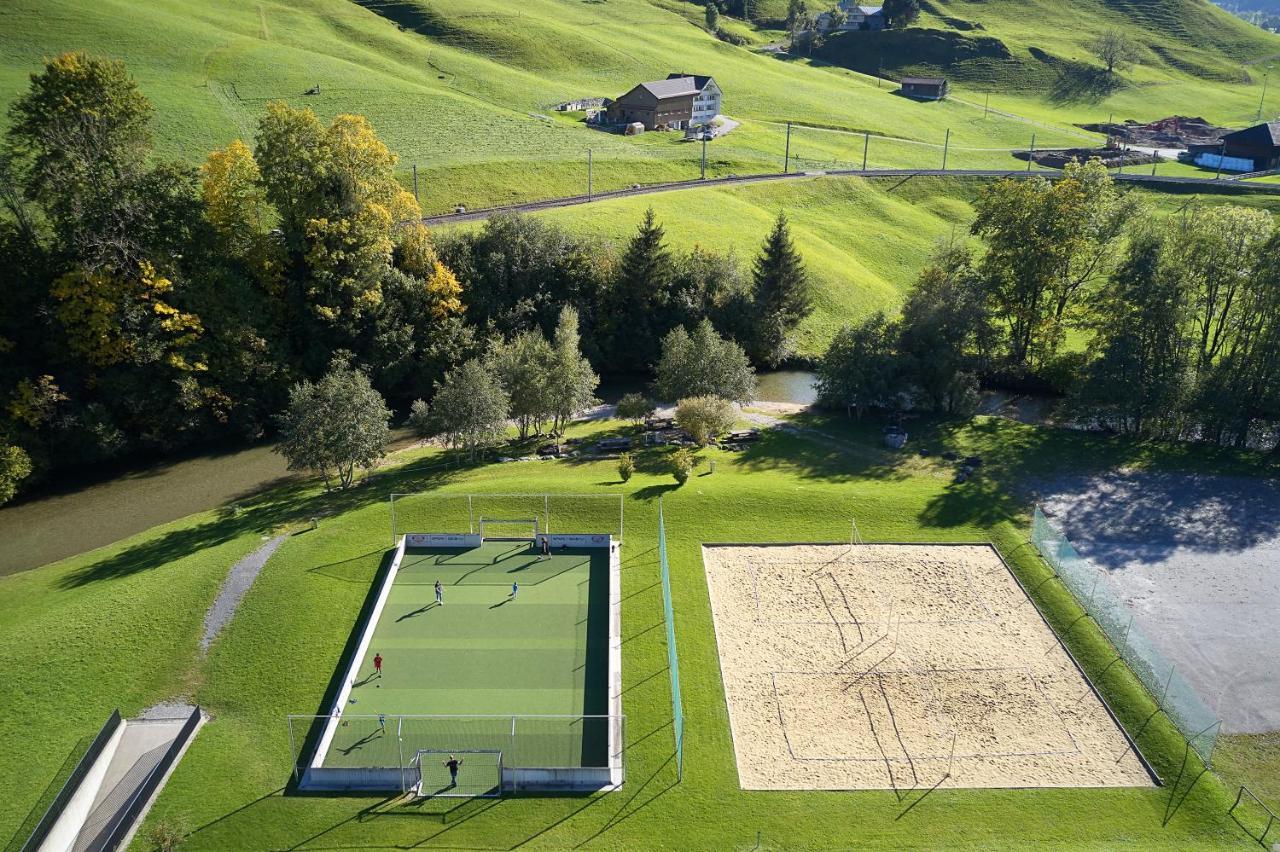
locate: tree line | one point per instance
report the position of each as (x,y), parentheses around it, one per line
(151,305)
(1154,326)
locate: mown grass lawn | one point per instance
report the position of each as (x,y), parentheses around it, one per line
(118,627)
(465,90)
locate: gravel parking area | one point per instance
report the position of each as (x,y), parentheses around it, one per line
(1198,560)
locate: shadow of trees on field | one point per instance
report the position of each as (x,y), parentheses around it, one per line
(267,511)
(1116,516)
(1080,83)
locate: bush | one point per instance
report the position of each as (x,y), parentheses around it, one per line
(730,38)
(167,834)
(635,407)
(420,419)
(705,417)
(626,467)
(682,464)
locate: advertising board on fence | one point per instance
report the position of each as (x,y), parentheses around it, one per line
(442,540)
(576,540)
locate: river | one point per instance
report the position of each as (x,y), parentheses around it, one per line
(81,517)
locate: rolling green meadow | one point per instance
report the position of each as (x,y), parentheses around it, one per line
(119,627)
(464,90)
(864,240)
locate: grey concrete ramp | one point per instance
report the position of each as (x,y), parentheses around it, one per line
(141,748)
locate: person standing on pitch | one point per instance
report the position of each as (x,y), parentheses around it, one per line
(546,547)
(377,664)
(439,593)
(382,722)
(515,587)
(453,763)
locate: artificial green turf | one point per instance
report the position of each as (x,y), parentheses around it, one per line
(485,652)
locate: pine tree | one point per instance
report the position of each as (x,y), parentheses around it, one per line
(781,295)
(640,297)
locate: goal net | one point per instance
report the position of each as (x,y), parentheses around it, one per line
(504,528)
(478,773)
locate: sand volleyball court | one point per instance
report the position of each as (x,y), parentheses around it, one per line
(876,666)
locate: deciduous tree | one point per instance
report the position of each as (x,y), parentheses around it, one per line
(334,425)
(470,407)
(703,364)
(705,417)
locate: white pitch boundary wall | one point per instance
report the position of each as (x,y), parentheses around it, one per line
(319,777)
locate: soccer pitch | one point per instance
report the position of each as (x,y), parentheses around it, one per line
(493,671)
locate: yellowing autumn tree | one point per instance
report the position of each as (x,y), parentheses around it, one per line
(233,197)
(444,290)
(113,319)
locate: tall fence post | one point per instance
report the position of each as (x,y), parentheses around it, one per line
(946,144)
(590,168)
(1031,154)
(393,520)
(471,517)
(786,157)
(866,144)
(704,153)
(415,181)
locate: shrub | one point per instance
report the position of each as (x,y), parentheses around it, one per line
(420,419)
(705,417)
(626,467)
(634,407)
(682,465)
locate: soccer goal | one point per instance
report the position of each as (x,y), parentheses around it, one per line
(479,773)
(509,528)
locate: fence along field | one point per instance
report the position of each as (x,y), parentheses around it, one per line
(513,659)
(904,667)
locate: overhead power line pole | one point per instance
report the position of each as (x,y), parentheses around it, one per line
(786,157)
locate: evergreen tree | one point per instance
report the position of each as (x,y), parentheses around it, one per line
(641,294)
(781,295)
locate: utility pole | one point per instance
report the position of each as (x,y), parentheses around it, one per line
(589,175)
(866,143)
(1031,155)
(879,73)
(704,154)
(986,106)
(786,158)
(946,143)
(1222,152)
(415,181)
(1262,100)
(1120,171)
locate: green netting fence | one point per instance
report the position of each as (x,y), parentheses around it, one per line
(388,741)
(1099,599)
(673,660)
(570,514)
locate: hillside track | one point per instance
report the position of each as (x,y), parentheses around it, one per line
(904,174)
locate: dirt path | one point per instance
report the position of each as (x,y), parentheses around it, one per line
(233,590)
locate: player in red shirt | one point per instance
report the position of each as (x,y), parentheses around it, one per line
(377,664)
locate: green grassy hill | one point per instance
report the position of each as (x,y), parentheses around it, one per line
(464,89)
(864,241)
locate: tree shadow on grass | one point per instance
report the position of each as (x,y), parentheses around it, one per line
(263,513)
(1080,83)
